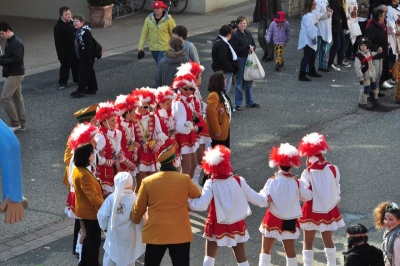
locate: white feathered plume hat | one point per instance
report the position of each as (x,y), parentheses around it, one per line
(313,144)
(284,155)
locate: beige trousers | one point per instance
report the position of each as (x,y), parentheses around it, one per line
(12,101)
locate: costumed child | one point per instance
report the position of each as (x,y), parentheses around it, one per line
(123,244)
(396,76)
(284,191)
(227,195)
(125,106)
(82,134)
(359,252)
(108,146)
(203,136)
(183,110)
(321,213)
(148,134)
(365,71)
(165,97)
(387,216)
(279,33)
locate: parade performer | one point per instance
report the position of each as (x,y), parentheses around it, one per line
(126,105)
(83,133)
(203,136)
(148,134)
(164,196)
(10,162)
(123,244)
(108,147)
(321,213)
(183,110)
(396,76)
(227,195)
(285,192)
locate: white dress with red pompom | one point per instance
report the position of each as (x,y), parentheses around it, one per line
(286,191)
(228,200)
(321,213)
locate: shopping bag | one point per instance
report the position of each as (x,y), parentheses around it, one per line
(253,69)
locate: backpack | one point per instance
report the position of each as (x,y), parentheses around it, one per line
(98,50)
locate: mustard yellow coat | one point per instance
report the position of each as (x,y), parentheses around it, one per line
(217,122)
(88,193)
(165,194)
(67,160)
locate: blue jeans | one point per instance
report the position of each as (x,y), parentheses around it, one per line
(240,83)
(157,55)
(339,47)
(228,85)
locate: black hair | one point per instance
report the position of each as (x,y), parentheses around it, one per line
(356,233)
(82,154)
(233,24)
(285,168)
(216,82)
(4,26)
(225,30)
(63,9)
(181,31)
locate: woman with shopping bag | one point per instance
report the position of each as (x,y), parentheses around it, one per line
(243,43)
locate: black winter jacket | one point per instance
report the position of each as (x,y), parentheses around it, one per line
(84,39)
(240,42)
(273,6)
(363,255)
(339,20)
(64,38)
(13,58)
(377,36)
(222,57)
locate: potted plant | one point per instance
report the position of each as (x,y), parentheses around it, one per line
(100,13)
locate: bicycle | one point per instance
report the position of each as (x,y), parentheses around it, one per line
(176,6)
(124,8)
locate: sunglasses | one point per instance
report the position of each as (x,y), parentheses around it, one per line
(145,107)
(188,89)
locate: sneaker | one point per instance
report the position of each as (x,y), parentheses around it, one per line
(333,67)
(77,94)
(15,128)
(62,86)
(344,64)
(392,82)
(23,128)
(386,85)
(238,108)
(254,105)
(323,69)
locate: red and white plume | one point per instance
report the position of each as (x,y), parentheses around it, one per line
(190,67)
(284,155)
(145,95)
(105,110)
(82,134)
(313,144)
(217,162)
(165,93)
(186,79)
(125,103)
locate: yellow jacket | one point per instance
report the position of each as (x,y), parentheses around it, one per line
(217,122)
(67,160)
(158,34)
(88,193)
(165,194)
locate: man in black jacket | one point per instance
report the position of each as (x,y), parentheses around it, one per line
(64,37)
(14,71)
(224,57)
(264,14)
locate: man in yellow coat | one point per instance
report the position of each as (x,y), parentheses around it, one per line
(164,195)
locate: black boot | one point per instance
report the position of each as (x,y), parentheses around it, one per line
(373,97)
(303,76)
(314,73)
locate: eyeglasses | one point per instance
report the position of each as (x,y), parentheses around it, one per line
(188,89)
(144,107)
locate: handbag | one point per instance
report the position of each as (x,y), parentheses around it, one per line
(253,69)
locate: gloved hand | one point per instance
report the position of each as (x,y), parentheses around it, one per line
(188,124)
(140,54)
(314,41)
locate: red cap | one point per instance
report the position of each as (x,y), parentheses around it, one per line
(159,4)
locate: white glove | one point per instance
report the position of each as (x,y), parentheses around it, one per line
(189,125)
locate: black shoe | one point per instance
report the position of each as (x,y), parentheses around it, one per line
(324,70)
(238,108)
(77,94)
(314,74)
(254,105)
(62,86)
(264,56)
(277,68)
(380,95)
(268,59)
(90,92)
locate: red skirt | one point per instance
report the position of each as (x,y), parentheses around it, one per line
(212,228)
(188,140)
(70,205)
(271,222)
(314,221)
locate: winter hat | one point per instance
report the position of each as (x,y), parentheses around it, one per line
(279,17)
(217,162)
(363,40)
(185,79)
(85,113)
(105,110)
(82,134)
(125,103)
(147,95)
(159,4)
(313,144)
(190,67)
(284,155)
(165,93)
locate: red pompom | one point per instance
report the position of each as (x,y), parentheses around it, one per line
(284,155)
(313,144)
(146,95)
(105,110)
(82,134)
(217,162)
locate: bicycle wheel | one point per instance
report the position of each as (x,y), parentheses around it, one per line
(137,5)
(177,6)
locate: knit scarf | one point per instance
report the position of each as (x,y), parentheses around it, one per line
(388,242)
